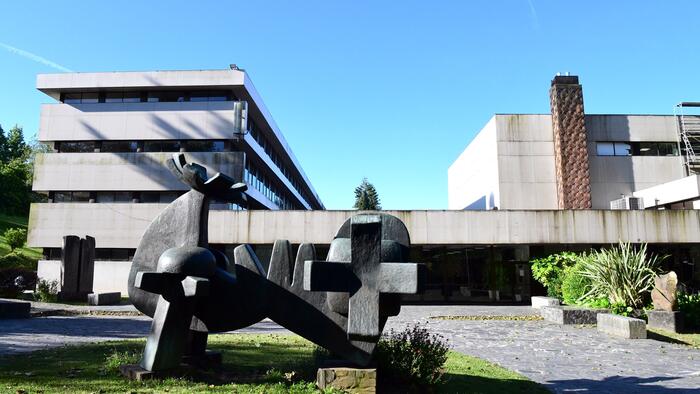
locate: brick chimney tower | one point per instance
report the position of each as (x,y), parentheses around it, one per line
(570,144)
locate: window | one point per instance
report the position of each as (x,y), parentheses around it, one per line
(76,147)
(132,97)
(114,97)
(119,146)
(90,98)
(637,148)
(113,197)
(71,98)
(668,149)
(166,96)
(161,146)
(204,146)
(150,197)
(623,149)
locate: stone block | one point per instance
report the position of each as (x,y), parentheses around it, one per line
(70,266)
(622,326)
(14,310)
(351,380)
(570,315)
(666,320)
(664,293)
(87,265)
(104,298)
(539,302)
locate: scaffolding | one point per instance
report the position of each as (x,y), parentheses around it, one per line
(688,126)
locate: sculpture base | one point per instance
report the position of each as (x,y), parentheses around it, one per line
(209,360)
(351,380)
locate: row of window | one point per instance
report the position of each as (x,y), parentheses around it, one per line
(163,96)
(265,144)
(164,197)
(637,148)
(254,177)
(101,254)
(140,146)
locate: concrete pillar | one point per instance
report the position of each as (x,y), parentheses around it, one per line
(570,143)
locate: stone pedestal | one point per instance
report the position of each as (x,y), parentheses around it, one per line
(14,310)
(570,315)
(622,326)
(539,302)
(351,380)
(104,298)
(666,320)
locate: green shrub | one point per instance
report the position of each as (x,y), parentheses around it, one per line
(17,259)
(575,285)
(600,303)
(550,271)
(15,237)
(689,304)
(413,356)
(623,274)
(46,291)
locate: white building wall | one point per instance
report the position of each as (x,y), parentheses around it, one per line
(613,176)
(124,171)
(136,121)
(472,180)
(526,162)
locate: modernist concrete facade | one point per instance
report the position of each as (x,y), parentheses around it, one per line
(105,178)
(511,163)
(110,135)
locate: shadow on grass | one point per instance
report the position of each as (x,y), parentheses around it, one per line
(659,336)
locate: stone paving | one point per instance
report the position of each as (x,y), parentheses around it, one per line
(565,359)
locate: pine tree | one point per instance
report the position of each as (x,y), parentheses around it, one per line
(366,197)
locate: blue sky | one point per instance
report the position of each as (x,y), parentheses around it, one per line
(393,91)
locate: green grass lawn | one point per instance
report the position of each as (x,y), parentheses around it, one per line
(688,339)
(6,222)
(256,363)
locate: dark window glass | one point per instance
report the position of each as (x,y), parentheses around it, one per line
(81,196)
(668,149)
(204,146)
(647,149)
(114,97)
(122,196)
(132,97)
(80,146)
(150,197)
(119,146)
(71,98)
(101,197)
(61,197)
(120,254)
(55,253)
(161,146)
(168,197)
(90,98)
(199,96)
(166,96)
(103,254)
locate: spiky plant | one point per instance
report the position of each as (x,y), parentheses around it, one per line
(366,197)
(624,274)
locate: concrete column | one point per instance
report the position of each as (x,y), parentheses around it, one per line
(570,143)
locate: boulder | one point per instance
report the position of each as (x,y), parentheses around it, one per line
(664,293)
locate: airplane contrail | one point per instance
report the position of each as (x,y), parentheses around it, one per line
(34,57)
(533,12)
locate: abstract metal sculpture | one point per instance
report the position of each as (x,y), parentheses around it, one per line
(190,290)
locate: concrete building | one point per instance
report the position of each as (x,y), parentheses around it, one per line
(472,256)
(572,160)
(110,134)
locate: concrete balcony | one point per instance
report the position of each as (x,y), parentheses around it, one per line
(136,121)
(124,171)
(122,225)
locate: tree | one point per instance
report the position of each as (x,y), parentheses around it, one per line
(366,197)
(15,237)
(13,146)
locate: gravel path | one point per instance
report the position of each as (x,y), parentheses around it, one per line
(565,359)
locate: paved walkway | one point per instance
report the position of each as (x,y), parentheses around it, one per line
(565,359)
